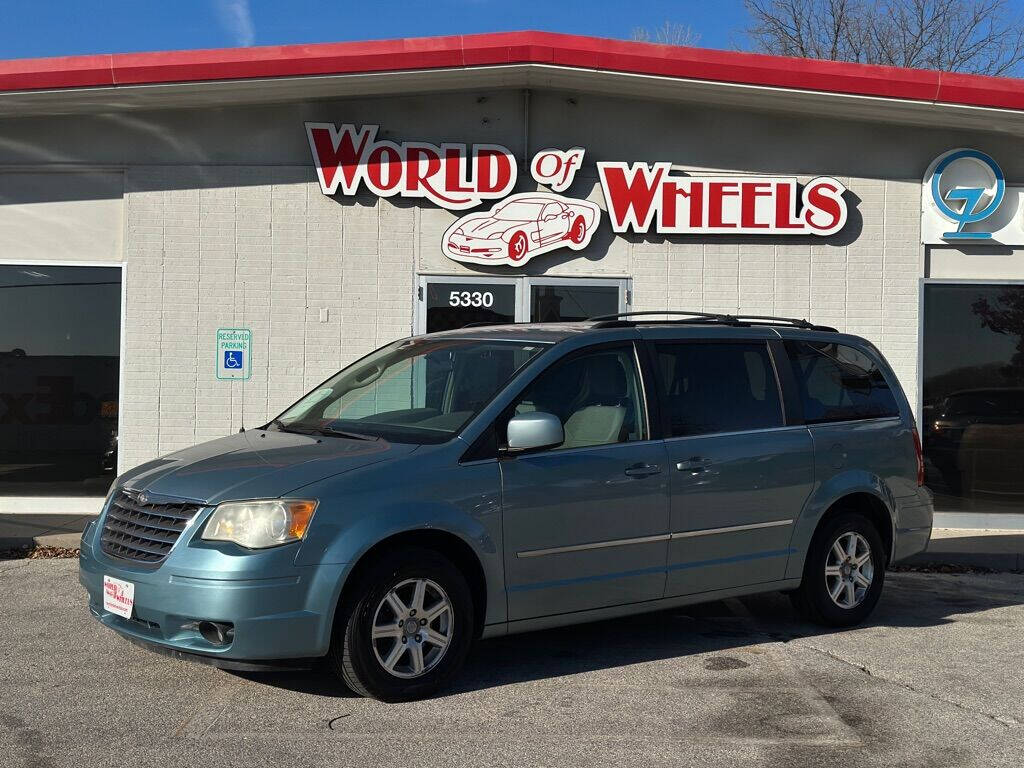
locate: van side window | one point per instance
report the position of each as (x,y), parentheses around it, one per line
(839,383)
(596,395)
(718,387)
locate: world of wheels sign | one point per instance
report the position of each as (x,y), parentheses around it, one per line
(638,197)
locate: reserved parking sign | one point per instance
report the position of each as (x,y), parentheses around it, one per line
(234,353)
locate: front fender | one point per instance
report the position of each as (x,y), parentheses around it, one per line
(358,512)
(822,498)
(369,530)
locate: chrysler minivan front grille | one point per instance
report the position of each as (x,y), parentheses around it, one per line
(135,529)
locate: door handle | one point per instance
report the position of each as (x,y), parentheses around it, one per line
(694,465)
(642,470)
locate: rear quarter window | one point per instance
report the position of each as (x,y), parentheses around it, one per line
(839,383)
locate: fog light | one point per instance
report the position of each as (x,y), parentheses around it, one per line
(216,632)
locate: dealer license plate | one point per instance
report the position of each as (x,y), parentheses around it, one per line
(118,596)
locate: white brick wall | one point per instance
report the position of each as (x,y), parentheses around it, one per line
(260,248)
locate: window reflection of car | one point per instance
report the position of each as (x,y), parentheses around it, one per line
(521,227)
(975,438)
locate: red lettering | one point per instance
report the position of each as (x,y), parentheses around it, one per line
(717,192)
(384,168)
(784,208)
(748,202)
(494,171)
(824,198)
(454,170)
(540,161)
(696,204)
(345,156)
(670,192)
(421,163)
(630,195)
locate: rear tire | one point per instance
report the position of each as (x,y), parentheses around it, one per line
(578,231)
(374,628)
(844,572)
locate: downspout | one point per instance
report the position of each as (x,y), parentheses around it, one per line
(526,129)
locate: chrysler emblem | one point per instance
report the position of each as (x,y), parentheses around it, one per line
(142,498)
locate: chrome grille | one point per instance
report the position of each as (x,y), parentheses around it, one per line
(144,532)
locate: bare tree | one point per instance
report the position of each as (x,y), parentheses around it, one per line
(669,33)
(978,36)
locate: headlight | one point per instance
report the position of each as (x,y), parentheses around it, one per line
(260,524)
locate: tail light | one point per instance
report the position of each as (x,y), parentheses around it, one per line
(920,457)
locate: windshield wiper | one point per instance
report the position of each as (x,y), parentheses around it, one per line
(342,433)
(305,429)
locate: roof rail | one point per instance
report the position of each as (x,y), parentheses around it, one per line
(686,316)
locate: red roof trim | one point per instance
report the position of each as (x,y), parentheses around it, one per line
(510,48)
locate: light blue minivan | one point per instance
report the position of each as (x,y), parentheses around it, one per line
(500,479)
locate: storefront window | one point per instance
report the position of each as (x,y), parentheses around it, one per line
(59,364)
(973,404)
(572,303)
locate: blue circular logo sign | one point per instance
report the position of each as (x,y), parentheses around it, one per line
(966,204)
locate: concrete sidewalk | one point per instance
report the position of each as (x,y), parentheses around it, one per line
(21,530)
(995,549)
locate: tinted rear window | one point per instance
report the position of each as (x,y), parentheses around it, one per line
(718,387)
(839,383)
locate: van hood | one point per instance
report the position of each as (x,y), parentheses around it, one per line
(256,464)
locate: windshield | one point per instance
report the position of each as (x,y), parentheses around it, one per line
(519,212)
(412,391)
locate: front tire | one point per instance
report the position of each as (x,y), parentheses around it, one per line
(406,628)
(518,245)
(844,572)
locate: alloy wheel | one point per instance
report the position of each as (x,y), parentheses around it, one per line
(412,628)
(849,570)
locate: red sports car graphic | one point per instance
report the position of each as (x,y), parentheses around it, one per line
(520,227)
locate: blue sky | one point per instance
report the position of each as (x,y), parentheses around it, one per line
(30,28)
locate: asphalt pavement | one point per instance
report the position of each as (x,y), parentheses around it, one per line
(934,680)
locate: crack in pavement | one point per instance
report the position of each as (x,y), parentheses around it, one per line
(18,566)
(1005,721)
(756,629)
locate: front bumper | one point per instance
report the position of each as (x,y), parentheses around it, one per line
(278,610)
(477,247)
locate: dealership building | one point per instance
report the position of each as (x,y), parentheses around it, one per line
(191,240)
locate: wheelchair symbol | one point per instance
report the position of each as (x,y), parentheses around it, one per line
(233,359)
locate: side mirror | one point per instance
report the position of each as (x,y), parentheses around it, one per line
(551,217)
(529,431)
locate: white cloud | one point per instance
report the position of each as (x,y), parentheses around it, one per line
(236,18)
